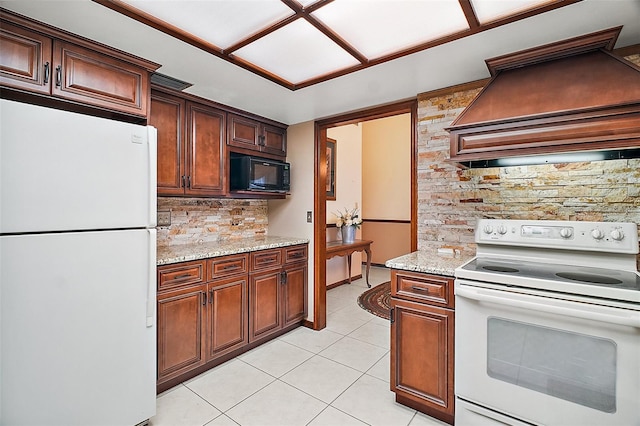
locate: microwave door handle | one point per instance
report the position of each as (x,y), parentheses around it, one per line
(629,318)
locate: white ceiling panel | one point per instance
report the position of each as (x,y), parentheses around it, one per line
(382,27)
(490,10)
(220,22)
(222,80)
(297,52)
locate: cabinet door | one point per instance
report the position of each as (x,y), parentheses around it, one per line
(274,140)
(167,115)
(422,356)
(264,304)
(98,79)
(243,132)
(206,146)
(294,298)
(180,331)
(25,59)
(227,316)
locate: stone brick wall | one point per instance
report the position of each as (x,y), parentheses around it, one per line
(196,220)
(451,199)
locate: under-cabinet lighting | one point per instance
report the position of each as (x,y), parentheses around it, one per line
(570,157)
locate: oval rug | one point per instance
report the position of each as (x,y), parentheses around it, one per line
(376,300)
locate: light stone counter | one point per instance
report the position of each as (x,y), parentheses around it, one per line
(186,252)
(430,262)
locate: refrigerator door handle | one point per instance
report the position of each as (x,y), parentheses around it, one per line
(152,146)
(151,285)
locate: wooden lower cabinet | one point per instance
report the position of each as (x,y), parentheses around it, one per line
(212,310)
(422,348)
(278,298)
(265,306)
(227,316)
(277,290)
(180,326)
(294,297)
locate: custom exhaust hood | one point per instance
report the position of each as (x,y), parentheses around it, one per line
(568,101)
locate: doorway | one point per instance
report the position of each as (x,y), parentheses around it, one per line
(320,195)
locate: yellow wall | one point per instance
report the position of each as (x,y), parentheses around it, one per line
(386,172)
(386,189)
(348,193)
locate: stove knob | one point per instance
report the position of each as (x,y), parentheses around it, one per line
(617,234)
(488,229)
(597,234)
(502,229)
(566,232)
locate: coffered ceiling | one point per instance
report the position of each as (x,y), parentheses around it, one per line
(297,81)
(298,43)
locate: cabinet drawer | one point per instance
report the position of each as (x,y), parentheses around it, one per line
(180,274)
(266,259)
(295,254)
(432,289)
(219,267)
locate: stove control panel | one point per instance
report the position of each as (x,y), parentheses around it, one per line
(614,237)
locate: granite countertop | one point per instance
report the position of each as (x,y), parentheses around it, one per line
(430,262)
(185,252)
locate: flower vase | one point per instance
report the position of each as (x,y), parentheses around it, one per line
(348,234)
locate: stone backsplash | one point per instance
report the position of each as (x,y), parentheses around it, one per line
(199,220)
(451,199)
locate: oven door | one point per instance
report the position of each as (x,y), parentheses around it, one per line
(544,360)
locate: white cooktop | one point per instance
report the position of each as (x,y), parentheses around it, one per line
(592,259)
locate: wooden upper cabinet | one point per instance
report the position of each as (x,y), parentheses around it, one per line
(256,136)
(25,59)
(38,58)
(206,150)
(90,77)
(167,115)
(190,146)
(274,140)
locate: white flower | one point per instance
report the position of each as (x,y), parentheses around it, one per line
(348,218)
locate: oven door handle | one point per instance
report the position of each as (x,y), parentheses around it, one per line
(613,316)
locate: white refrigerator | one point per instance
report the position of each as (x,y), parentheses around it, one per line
(77,269)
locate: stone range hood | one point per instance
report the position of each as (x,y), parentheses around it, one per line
(572,97)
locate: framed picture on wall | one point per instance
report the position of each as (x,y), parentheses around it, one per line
(331,169)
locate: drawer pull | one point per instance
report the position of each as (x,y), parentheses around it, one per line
(426,290)
(229,266)
(297,255)
(179,277)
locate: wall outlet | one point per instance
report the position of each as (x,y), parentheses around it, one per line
(309,217)
(164,217)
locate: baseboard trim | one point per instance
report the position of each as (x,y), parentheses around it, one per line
(345,281)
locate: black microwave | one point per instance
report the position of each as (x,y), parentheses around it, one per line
(250,173)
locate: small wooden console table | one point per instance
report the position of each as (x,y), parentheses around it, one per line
(338,248)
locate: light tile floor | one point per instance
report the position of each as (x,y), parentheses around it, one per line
(336,376)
